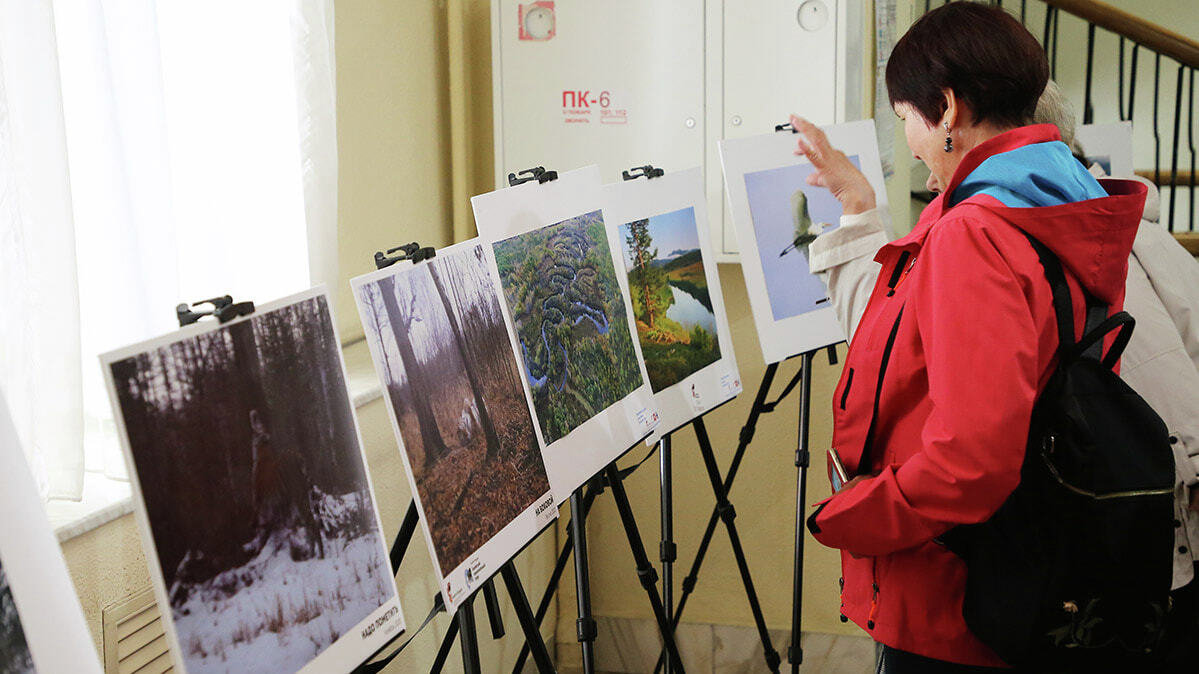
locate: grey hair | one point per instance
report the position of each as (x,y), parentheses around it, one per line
(1054,108)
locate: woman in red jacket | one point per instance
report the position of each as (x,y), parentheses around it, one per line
(933,408)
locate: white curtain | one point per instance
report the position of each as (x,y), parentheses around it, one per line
(200,159)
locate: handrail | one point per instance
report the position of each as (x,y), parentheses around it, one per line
(1163,41)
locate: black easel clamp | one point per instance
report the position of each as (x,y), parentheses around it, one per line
(786,126)
(648,172)
(409,251)
(537,173)
(223,307)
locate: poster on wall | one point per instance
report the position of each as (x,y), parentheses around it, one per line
(42,628)
(1108,145)
(669,275)
(777,214)
(447,364)
(573,326)
(258,520)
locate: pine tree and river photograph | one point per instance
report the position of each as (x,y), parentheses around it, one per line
(254,483)
(561,289)
(676,324)
(438,336)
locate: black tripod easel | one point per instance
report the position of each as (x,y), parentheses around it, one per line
(724,509)
(667,549)
(463,628)
(581,499)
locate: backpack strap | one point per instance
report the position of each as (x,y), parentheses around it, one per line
(1063,307)
(1097,325)
(1096,314)
(1093,339)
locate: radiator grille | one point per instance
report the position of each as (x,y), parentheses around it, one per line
(134,641)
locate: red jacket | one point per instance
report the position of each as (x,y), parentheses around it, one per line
(965,301)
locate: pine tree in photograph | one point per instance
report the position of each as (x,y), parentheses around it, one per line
(644,275)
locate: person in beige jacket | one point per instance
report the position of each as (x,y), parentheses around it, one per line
(1161,361)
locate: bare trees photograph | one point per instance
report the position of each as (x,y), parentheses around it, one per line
(443,353)
(255,488)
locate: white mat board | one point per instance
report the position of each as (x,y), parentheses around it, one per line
(479,505)
(689,357)
(573,325)
(311,589)
(46,632)
(764,179)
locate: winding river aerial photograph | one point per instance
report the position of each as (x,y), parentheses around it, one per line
(676,324)
(561,289)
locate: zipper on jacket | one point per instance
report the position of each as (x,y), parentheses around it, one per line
(841,596)
(874,593)
(848,383)
(865,460)
(897,272)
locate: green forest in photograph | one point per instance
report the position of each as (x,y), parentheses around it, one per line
(669,291)
(561,289)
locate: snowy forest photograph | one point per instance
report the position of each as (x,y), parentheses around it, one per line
(255,488)
(440,344)
(15,657)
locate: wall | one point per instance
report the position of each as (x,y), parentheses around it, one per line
(394,187)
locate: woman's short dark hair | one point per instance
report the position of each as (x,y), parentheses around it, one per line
(982,53)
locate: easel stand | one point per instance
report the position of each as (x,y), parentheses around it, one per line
(576,545)
(580,503)
(463,627)
(724,509)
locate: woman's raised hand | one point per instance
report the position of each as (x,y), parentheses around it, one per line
(833,169)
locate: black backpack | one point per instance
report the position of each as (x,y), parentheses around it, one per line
(1073,572)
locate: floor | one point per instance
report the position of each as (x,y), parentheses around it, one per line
(628,646)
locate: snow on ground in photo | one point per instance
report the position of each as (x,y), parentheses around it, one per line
(283,613)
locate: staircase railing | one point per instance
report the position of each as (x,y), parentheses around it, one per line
(1134,35)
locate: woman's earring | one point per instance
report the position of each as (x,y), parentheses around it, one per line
(948,139)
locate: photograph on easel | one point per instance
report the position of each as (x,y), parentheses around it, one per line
(788,214)
(42,628)
(562,293)
(777,215)
(262,528)
(671,279)
(556,260)
(445,359)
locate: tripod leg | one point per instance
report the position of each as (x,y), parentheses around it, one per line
(747,434)
(495,615)
(525,615)
(443,653)
(586,624)
(727,515)
(404,537)
(551,587)
(645,570)
(802,460)
(469,639)
(666,547)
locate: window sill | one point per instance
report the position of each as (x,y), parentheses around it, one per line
(104,499)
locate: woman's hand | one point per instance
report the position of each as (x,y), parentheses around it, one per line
(833,169)
(856,479)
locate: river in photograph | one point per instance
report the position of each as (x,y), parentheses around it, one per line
(690,312)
